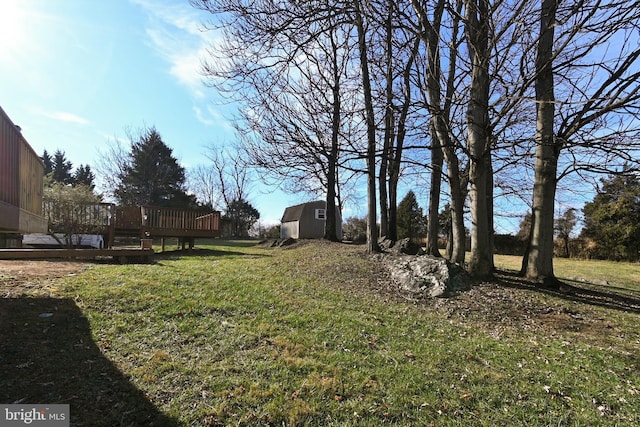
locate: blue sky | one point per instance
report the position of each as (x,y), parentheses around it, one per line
(74,74)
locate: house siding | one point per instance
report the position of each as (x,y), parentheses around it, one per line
(21,186)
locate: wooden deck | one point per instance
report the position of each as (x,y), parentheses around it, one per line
(145,222)
(166,222)
(125,221)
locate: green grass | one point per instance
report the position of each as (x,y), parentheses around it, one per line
(246,335)
(615,276)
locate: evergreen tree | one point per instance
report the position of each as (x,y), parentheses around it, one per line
(241,216)
(83,175)
(411,221)
(48,162)
(61,168)
(612,219)
(152,176)
(524,230)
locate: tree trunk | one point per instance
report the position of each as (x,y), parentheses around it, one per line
(490,212)
(389,126)
(392,229)
(457,184)
(478,137)
(434,195)
(480,262)
(384,199)
(539,263)
(331,222)
(372,235)
(458,233)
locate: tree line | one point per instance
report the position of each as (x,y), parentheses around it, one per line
(491,97)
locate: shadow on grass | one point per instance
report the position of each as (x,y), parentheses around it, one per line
(48,356)
(582,294)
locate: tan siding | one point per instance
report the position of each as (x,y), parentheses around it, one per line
(21,188)
(9,161)
(31,185)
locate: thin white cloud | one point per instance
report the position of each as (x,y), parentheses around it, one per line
(212,117)
(201,117)
(66,117)
(175,32)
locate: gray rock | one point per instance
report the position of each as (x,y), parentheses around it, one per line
(425,276)
(402,246)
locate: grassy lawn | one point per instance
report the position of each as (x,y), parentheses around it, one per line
(307,335)
(616,276)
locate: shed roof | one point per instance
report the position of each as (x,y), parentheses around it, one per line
(294,213)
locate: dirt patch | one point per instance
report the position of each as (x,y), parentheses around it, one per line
(31,277)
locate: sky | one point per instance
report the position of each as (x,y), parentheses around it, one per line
(76,74)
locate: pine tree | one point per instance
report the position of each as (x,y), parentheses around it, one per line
(612,219)
(48,162)
(61,168)
(152,176)
(411,221)
(83,175)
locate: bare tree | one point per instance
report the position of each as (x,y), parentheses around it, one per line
(372,235)
(203,181)
(111,164)
(286,64)
(225,178)
(477,17)
(588,54)
(231,174)
(440,119)
(395,47)
(546,160)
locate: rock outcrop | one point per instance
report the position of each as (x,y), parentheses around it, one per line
(424,276)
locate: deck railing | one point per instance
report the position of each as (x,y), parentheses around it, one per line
(87,218)
(179,219)
(208,222)
(111,220)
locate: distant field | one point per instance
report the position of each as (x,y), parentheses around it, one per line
(615,276)
(235,334)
